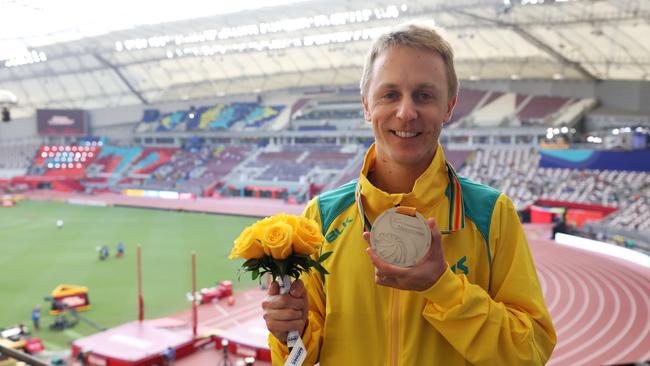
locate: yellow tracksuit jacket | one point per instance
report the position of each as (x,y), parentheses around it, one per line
(486,309)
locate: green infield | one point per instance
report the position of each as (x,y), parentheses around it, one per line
(37,256)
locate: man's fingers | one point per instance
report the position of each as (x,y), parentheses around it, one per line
(280,329)
(382,266)
(287,312)
(435,231)
(297,289)
(283,302)
(274,289)
(366,236)
(374,258)
(283,315)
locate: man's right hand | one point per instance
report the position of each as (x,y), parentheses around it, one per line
(284,313)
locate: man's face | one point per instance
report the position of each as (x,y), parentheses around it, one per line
(407,103)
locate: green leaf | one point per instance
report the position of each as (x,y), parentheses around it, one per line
(251,262)
(294,266)
(324,256)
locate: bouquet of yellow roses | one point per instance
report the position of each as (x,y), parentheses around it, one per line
(281,245)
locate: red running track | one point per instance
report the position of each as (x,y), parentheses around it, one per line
(600,305)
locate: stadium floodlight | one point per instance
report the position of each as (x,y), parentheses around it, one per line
(182,42)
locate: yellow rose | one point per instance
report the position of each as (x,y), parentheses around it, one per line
(281,217)
(307,238)
(247,246)
(276,239)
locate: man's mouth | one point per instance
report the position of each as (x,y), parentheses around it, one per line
(404,134)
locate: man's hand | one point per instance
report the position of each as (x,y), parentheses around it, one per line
(420,276)
(284,313)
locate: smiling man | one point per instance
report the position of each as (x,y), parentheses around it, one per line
(473,298)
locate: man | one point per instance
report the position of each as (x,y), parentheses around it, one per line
(474,298)
(120,250)
(103,252)
(36,317)
(169,355)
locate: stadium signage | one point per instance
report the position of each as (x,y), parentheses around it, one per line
(61,122)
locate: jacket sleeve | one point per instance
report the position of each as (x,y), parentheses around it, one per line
(312,335)
(506,325)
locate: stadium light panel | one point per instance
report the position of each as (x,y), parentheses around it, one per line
(250,30)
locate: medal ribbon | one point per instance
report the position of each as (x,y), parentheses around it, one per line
(456,208)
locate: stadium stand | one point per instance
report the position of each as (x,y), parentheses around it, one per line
(468,100)
(300,162)
(328,114)
(63,160)
(494,111)
(196,170)
(15,158)
(636,216)
(517,173)
(237,116)
(535,109)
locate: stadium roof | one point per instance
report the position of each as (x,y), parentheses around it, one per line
(86,62)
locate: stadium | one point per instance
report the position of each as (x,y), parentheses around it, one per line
(139,139)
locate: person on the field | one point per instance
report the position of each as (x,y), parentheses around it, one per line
(103,252)
(36,317)
(169,355)
(120,250)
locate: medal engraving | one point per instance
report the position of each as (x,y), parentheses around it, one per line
(400,239)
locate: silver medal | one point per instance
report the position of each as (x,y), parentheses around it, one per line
(400,239)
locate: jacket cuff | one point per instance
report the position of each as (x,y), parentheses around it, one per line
(281,346)
(447,292)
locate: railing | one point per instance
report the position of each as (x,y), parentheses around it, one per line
(21,356)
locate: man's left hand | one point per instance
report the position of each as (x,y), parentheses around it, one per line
(418,277)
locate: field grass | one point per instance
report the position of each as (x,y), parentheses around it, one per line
(36,256)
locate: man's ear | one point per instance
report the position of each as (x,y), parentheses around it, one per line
(450,108)
(366,108)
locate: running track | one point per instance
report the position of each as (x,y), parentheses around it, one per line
(600,305)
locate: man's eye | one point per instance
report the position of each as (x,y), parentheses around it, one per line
(424,96)
(390,95)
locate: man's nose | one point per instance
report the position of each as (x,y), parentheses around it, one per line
(407,110)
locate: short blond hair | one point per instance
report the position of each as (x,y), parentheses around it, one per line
(416,36)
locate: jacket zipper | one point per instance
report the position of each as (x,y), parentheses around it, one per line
(394,327)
